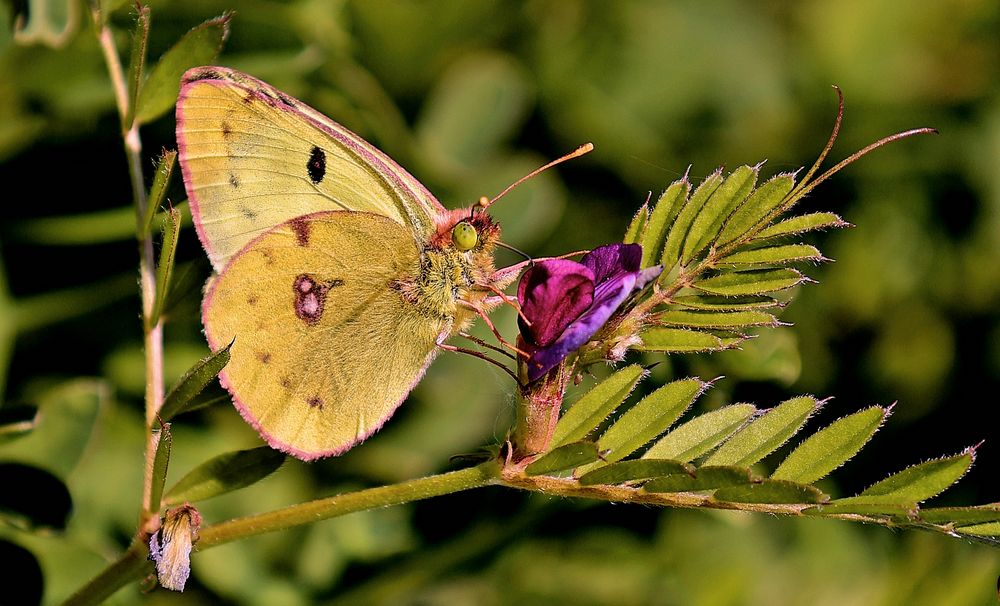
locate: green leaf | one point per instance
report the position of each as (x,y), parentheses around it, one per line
(708,477)
(680,226)
(593,407)
(774,255)
(200,46)
(679,340)
(716,303)
(650,417)
(193,381)
(759,207)
(157,192)
(164,443)
(917,483)
(700,434)
(706,226)
(897,510)
(637,228)
(137,61)
(225,473)
(771,491)
(165,266)
(830,447)
(567,456)
(989,529)
(716,319)
(801,224)
(662,217)
(637,469)
(765,434)
(978,514)
(754,282)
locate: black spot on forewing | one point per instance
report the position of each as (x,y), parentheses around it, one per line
(264,357)
(234,181)
(226,130)
(248,213)
(316,165)
(315,402)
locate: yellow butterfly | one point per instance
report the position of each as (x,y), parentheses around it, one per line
(339,274)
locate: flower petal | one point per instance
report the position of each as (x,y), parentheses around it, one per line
(552,295)
(612,259)
(607,297)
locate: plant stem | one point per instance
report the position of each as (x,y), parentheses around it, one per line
(152,332)
(133,561)
(304,513)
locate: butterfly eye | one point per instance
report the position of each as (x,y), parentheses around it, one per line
(464,236)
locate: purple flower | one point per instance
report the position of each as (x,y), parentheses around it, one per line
(568,302)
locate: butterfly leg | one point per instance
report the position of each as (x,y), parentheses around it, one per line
(480,355)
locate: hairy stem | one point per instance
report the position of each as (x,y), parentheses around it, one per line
(152,332)
(133,562)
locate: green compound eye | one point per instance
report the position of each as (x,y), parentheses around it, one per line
(464,236)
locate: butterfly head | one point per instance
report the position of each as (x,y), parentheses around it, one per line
(466,231)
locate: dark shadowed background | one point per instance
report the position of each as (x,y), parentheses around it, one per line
(470,96)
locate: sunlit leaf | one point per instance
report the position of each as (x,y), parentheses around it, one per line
(650,417)
(680,340)
(700,434)
(562,458)
(773,255)
(706,226)
(989,529)
(801,224)
(708,477)
(661,218)
(961,515)
(637,228)
(771,491)
(200,46)
(593,407)
(754,282)
(680,226)
(830,447)
(917,483)
(716,319)
(765,434)
(225,473)
(757,208)
(718,303)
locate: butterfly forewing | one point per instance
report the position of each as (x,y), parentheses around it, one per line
(254,158)
(326,345)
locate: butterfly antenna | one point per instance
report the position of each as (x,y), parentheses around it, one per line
(583,149)
(526,256)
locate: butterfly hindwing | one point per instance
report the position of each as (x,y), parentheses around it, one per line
(254,158)
(327,346)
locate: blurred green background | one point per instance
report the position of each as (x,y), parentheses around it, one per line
(469,96)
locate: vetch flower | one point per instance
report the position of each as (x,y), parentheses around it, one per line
(567,302)
(170,546)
